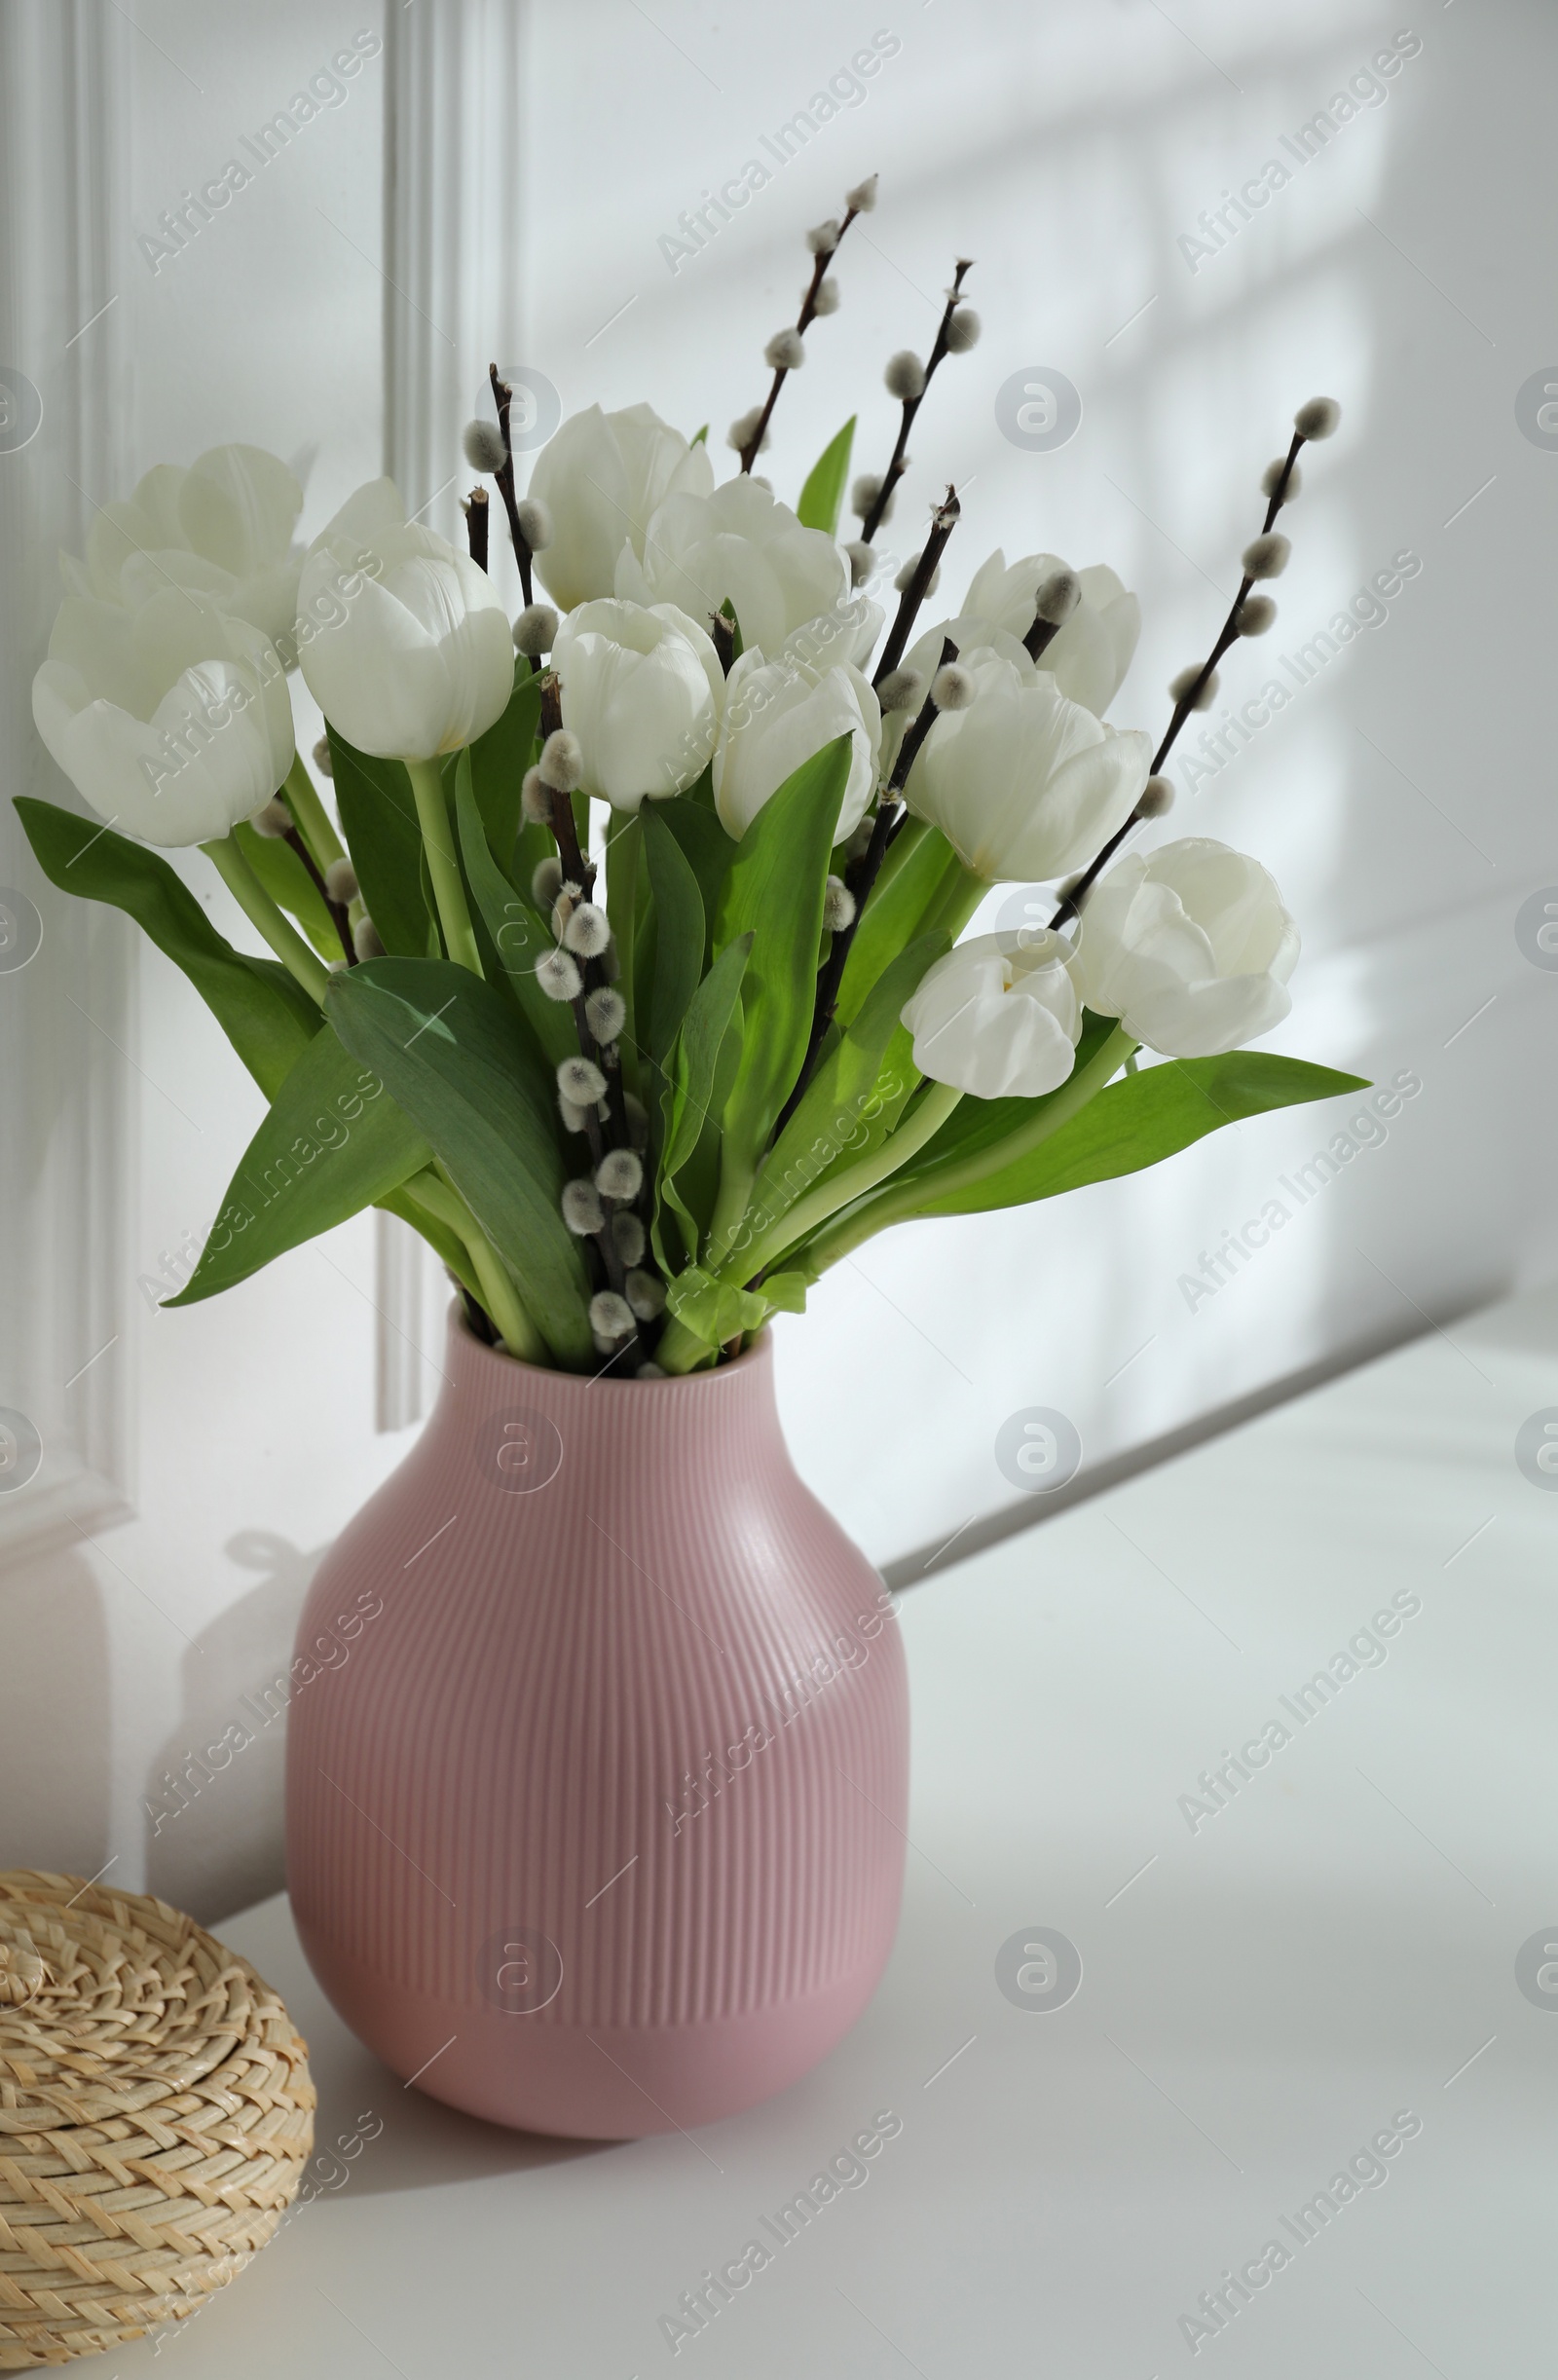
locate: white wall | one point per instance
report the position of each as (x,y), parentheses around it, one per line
(1401,800)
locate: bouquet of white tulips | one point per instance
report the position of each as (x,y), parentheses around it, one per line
(628,969)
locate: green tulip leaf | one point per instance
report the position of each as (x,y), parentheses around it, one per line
(705,847)
(823,491)
(333,1143)
(912,880)
(774,891)
(379,820)
(268,1017)
(448,1048)
(687,1101)
(671,959)
(510,934)
(499,760)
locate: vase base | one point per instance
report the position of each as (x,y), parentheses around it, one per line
(587,2082)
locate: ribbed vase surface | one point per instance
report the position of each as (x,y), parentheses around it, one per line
(595,1801)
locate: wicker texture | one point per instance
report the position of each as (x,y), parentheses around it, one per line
(155,2115)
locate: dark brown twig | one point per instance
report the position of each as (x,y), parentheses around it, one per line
(478,512)
(503,397)
(912,405)
(943,520)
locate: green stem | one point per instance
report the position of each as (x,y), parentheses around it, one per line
(679,1350)
(961,897)
(897,1203)
(448,884)
(844,1188)
(437,1194)
(262,912)
(311,817)
(622,863)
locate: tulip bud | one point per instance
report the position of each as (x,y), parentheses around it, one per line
(535,523)
(643,688)
(906,577)
(786,351)
(580,1080)
(863,198)
(1318,418)
(562,763)
(638,1119)
(823,238)
(1266,556)
(825,300)
(862,562)
(999,1015)
(610,1318)
(1206,986)
(644,1294)
(558,977)
(273,821)
(605,1013)
(535,801)
(901,691)
(628,1236)
(743,430)
(586,932)
(535,630)
(341,881)
(547,882)
(406,643)
(951,688)
(582,1210)
(837,905)
(619,1176)
(365,939)
(1181,686)
(323,758)
(1157,797)
(1271,479)
(1255,614)
(904,376)
(962,330)
(482,443)
(1058,598)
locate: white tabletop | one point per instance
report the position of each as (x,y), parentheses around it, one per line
(1331,1954)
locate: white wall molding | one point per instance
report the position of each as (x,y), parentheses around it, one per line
(453,259)
(67,1169)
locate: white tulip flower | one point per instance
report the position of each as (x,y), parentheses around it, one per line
(1190,946)
(601,476)
(777,714)
(739,544)
(403,640)
(1088,658)
(642,689)
(171,718)
(1025,784)
(222,528)
(999,1017)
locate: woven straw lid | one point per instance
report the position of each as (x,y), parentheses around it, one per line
(155,2115)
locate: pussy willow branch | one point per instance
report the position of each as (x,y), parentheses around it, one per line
(503,397)
(578,868)
(861,881)
(1069,906)
(803,322)
(943,520)
(911,405)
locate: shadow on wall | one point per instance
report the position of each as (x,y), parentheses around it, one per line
(214,1836)
(55,1730)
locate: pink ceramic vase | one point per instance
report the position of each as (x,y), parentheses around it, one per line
(595,1805)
